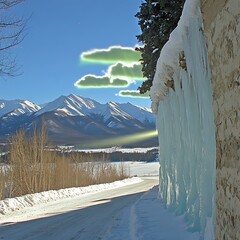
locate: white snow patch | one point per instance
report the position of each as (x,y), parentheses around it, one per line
(148,219)
(142,169)
(168,60)
(13,204)
(114,149)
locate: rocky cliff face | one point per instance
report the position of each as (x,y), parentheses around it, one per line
(222,30)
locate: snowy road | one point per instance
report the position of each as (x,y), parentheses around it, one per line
(87,217)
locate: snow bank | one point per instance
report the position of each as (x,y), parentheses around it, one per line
(18,203)
(168,60)
(185,122)
(142,169)
(148,219)
(117,149)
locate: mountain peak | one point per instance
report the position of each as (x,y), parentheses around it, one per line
(17,107)
(74,118)
(72,105)
(73,96)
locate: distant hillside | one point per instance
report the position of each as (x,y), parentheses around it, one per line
(76,120)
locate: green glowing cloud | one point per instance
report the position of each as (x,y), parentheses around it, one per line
(92,81)
(111,55)
(134,138)
(130,71)
(132,94)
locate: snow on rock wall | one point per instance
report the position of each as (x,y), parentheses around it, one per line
(222,29)
(185,124)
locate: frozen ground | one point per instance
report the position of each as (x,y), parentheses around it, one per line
(142,169)
(127,210)
(114,149)
(148,219)
(10,205)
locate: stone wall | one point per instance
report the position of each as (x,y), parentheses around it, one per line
(222,30)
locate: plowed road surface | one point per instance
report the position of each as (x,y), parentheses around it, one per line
(87,217)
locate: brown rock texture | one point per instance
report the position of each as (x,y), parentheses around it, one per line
(222,30)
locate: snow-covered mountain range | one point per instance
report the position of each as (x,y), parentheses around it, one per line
(17,107)
(74,119)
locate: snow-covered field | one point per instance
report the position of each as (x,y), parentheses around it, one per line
(128,209)
(114,149)
(142,169)
(139,169)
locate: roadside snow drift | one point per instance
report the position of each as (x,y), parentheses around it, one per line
(13,204)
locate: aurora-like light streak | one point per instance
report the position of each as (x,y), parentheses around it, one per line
(126,71)
(133,94)
(111,55)
(133,138)
(92,81)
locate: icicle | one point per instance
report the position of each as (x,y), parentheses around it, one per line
(185,124)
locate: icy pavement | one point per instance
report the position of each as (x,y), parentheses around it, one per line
(148,219)
(128,209)
(85,217)
(131,212)
(18,203)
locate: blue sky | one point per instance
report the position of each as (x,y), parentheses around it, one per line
(57,33)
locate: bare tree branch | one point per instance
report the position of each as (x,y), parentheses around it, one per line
(11,34)
(8,4)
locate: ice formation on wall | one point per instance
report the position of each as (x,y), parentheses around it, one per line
(185,124)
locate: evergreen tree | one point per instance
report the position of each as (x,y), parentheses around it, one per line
(157,19)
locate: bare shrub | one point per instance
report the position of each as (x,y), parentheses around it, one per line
(35,169)
(1,183)
(4,180)
(123,170)
(28,160)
